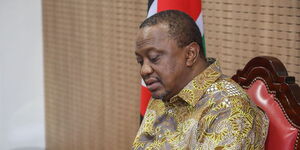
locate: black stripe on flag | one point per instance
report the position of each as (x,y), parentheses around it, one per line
(149,4)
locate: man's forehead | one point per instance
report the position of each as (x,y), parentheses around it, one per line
(151,34)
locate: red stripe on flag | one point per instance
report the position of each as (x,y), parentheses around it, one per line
(145,97)
(191,7)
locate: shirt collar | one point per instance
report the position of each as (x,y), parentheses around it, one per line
(195,89)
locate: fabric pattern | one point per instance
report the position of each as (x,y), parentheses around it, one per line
(211,112)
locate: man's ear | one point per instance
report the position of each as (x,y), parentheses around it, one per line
(192,53)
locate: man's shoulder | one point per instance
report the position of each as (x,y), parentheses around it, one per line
(227,93)
(230,109)
(230,95)
(226,87)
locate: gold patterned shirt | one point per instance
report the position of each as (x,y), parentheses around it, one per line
(212,112)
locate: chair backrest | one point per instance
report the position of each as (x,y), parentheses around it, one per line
(267,82)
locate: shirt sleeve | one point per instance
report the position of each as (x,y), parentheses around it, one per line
(232,123)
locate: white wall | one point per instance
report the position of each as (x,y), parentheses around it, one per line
(22,120)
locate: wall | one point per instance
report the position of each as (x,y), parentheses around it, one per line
(21,76)
(239,30)
(92,80)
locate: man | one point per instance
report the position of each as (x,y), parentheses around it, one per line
(194,106)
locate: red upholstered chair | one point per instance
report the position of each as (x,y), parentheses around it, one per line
(267,82)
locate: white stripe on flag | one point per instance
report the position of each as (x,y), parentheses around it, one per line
(199,22)
(152,9)
(143,83)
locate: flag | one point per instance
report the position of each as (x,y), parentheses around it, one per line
(190,7)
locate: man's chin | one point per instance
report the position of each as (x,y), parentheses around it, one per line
(158,95)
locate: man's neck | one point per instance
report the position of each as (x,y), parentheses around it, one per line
(197,68)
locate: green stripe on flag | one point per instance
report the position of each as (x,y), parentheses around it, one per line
(204,45)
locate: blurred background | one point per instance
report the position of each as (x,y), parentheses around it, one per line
(68,75)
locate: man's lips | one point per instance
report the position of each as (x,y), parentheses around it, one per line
(153,86)
(152,83)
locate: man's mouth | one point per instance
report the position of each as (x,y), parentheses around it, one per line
(152,84)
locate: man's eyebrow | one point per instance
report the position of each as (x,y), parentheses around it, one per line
(136,54)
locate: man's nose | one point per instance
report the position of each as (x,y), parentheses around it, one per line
(146,70)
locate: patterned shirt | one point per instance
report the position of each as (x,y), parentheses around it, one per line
(210,112)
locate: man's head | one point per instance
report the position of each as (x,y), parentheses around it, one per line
(169,49)
(182,27)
